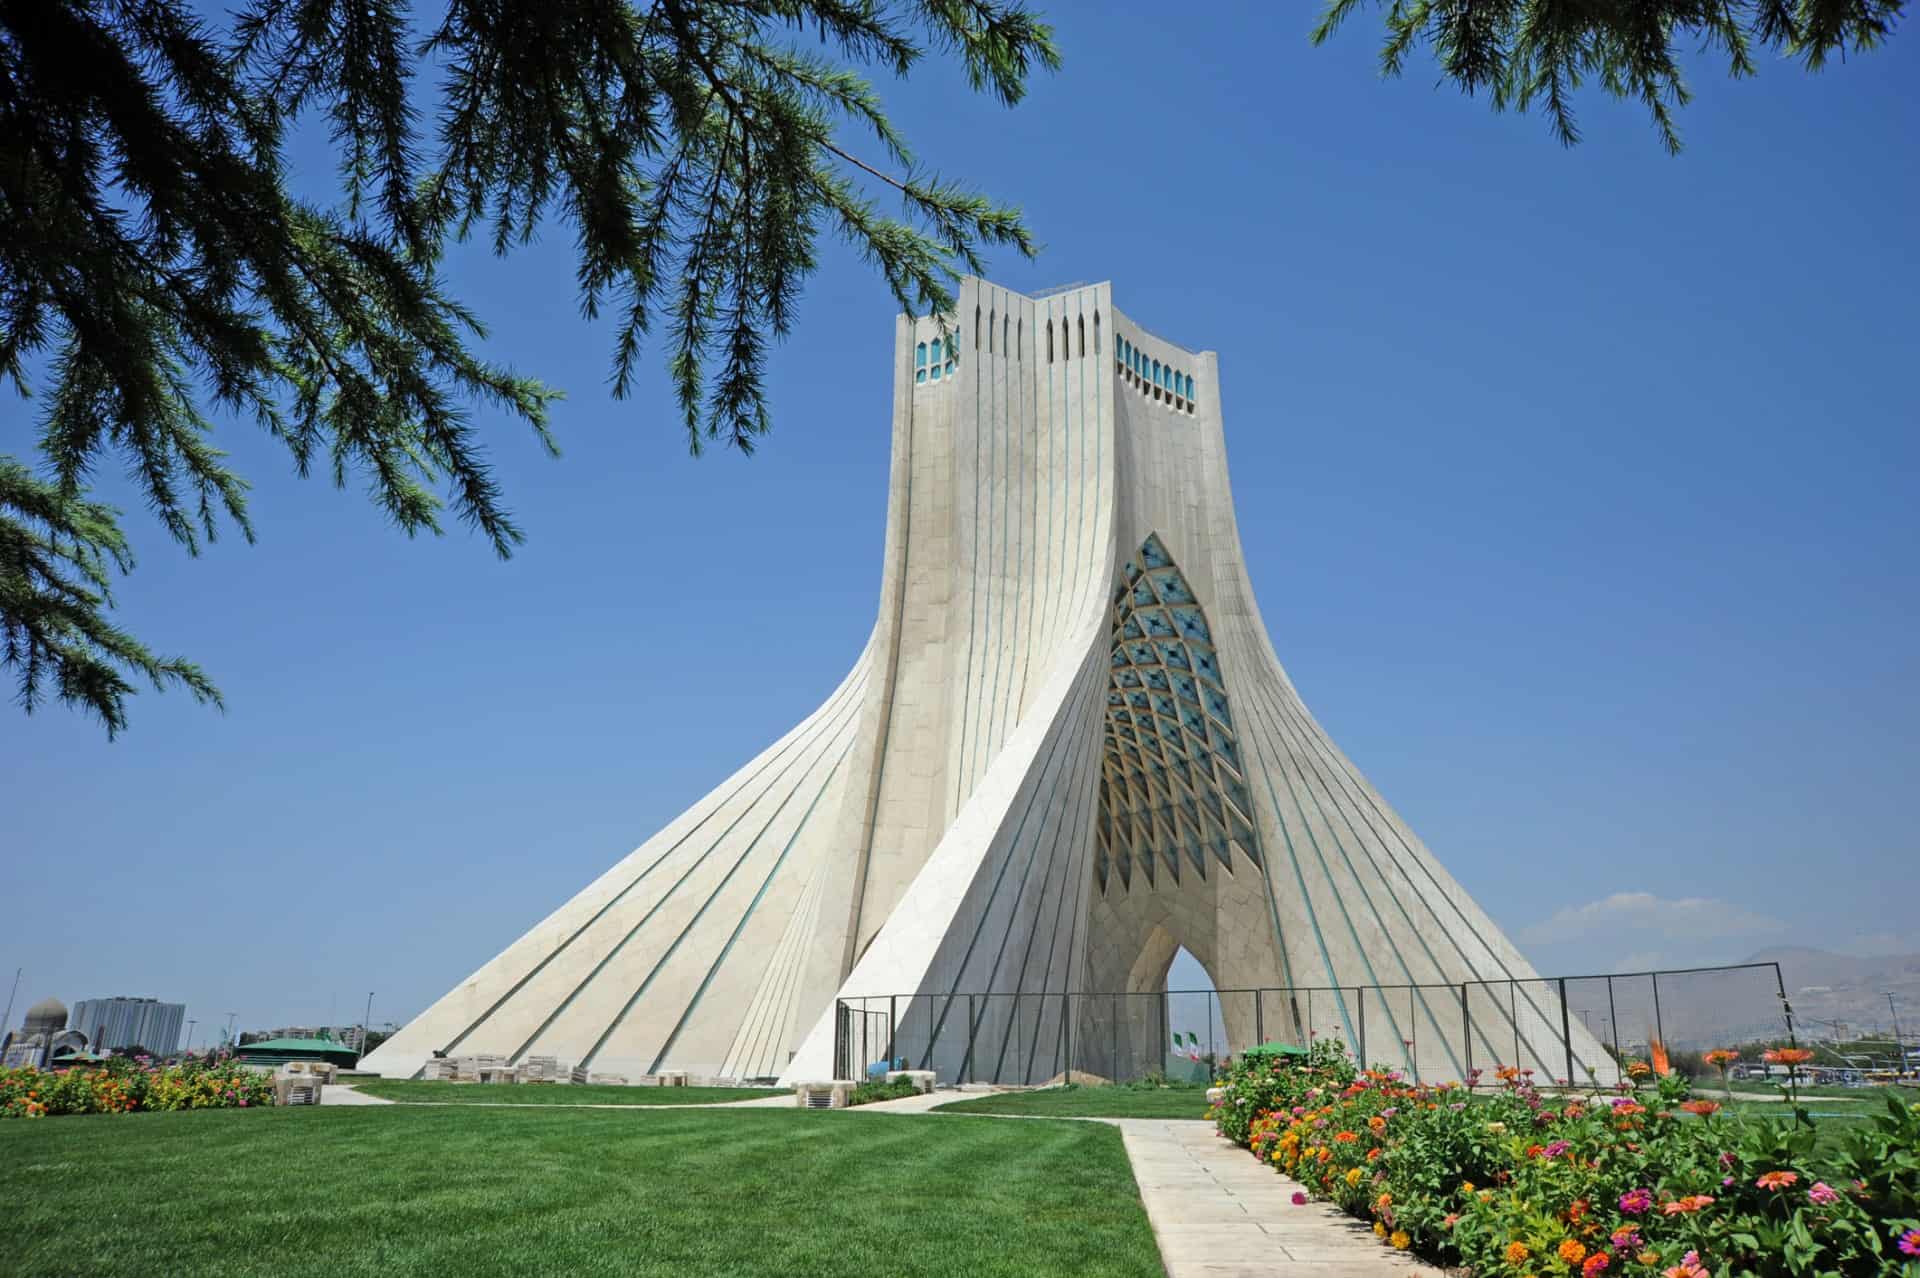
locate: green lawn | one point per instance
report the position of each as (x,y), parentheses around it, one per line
(422,1091)
(1120,1101)
(378,1191)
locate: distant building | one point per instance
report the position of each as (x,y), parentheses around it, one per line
(347,1035)
(117,1022)
(278,1051)
(41,1035)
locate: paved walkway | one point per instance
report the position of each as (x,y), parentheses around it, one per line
(345,1094)
(1218,1213)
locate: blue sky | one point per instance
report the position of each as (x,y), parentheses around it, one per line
(1577,487)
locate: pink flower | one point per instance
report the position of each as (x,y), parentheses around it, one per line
(1626,1239)
(1299,1199)
(1823,1193)
(1636,1202)
(1909,1243)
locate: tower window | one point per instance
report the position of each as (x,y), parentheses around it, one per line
(936,350)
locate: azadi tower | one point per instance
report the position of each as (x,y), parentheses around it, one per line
(1067,750)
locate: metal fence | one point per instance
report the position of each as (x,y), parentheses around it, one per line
(1577,1029)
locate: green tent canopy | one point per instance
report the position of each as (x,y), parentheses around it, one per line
(1275,1049)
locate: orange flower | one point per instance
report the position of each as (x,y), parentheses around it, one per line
(1777,1179)
(1572,1252)
(1720,1057)
(1688,1205)
(1638,1069)
(1345,1138)
(1701,1107)
(1517,1252)
(1787,1056)
(1377,1123)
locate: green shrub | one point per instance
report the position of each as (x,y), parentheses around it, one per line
(124,1085)
(1641,1182)
(868,1093)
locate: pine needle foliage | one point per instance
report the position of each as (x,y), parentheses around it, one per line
(156,274)
(1538,53)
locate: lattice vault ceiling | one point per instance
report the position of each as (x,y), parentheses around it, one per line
(1172,788)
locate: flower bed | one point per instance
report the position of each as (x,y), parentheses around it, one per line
(122,1086)
(1639,1182)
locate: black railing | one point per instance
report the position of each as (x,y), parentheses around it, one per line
(1567,1029)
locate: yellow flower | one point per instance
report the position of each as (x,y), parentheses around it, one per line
(1379,1229)
(1400,1239)
(1353,1179)
(1466,1187)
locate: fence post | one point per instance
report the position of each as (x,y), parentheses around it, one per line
(1259,1016)
(1566,1030)
(1513,1015)
(966,1062)
(1166,1029)
(1066,1017)
(1466,1028)
(1659,1029)
(893,1025)
(839,1035)
(1360,997)
(1613,1030)
(1001,1058)
(1210,1029)
(1413,1028)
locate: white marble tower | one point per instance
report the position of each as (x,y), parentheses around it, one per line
(1067,750)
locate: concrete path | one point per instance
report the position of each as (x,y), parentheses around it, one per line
(1218,1213)
(344,1094)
